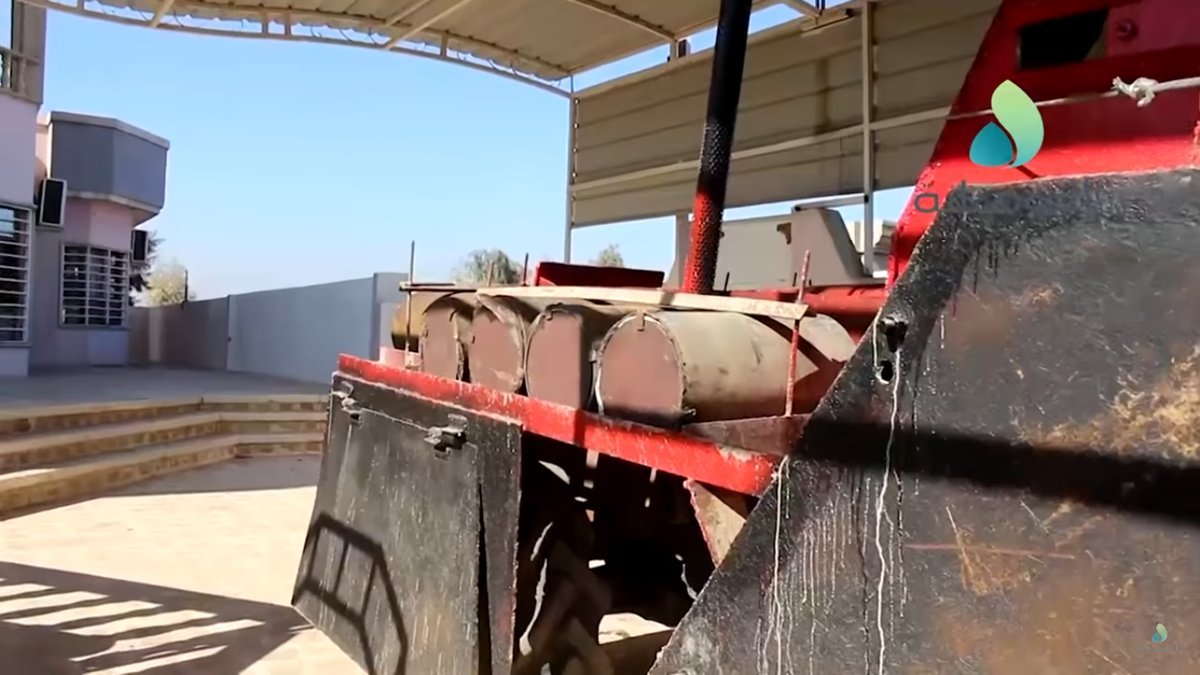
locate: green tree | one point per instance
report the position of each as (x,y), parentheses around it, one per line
(488,267)
(609,256)
(167,284)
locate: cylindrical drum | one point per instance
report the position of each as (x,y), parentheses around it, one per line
(561,358)
(407,325)
(444,336)
(499,334)
(676,367)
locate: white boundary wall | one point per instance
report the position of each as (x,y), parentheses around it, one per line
(295,333)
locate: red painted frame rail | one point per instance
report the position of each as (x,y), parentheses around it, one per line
(712,463)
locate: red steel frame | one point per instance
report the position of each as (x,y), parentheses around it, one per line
(731,468)
(1147,38)
(1158,39)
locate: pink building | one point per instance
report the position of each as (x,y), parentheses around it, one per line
(66,259)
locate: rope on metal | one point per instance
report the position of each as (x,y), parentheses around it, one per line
(1143,90)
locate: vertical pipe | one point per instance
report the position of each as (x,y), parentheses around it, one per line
(683,224)
(868,140)
(408,300)
(568,228)
(724,91)
(793,356)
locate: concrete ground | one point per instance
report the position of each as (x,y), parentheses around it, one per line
(185,574)
(189,573)
(94,385)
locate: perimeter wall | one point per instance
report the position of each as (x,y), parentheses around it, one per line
(294,333)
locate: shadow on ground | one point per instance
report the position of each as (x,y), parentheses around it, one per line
(239,474)
(61,623)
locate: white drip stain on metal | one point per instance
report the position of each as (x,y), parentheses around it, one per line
(880,514)
(776,604)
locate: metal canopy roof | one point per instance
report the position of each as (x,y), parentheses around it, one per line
(544,41)
(808,87)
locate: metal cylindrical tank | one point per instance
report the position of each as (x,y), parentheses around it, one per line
(499,334)
(676,367)
(445,331)
(408,323)
(561,356)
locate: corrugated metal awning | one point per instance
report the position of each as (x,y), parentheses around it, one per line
(636,141)
(549,40)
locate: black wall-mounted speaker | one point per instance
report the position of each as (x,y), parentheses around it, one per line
(52,202)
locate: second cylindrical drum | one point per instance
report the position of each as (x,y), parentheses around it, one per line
(676,367)
(499,333)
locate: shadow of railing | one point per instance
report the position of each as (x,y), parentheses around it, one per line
(67,622)
(353,627)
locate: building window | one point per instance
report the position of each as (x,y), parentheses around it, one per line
(14,274)
(95,286)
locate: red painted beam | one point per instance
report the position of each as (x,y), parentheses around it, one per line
(723,466)
(854,304)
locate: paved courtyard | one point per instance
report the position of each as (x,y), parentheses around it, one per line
(96,385)
(183,574)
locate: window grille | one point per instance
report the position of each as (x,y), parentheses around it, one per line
(14,274)
(95,286)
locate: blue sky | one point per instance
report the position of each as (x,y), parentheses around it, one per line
(293,164)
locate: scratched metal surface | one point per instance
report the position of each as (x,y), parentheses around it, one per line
(391,563)
(1023,495)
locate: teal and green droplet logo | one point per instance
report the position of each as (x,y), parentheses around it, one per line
(1160,634)
(1017,115)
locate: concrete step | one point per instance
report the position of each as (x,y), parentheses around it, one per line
(27,450)
(90,476)
(309,442)
(268,403)
(39,448)
(23,489)
(74,416)
(273,422)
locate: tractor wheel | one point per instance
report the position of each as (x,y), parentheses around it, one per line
(560,600)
